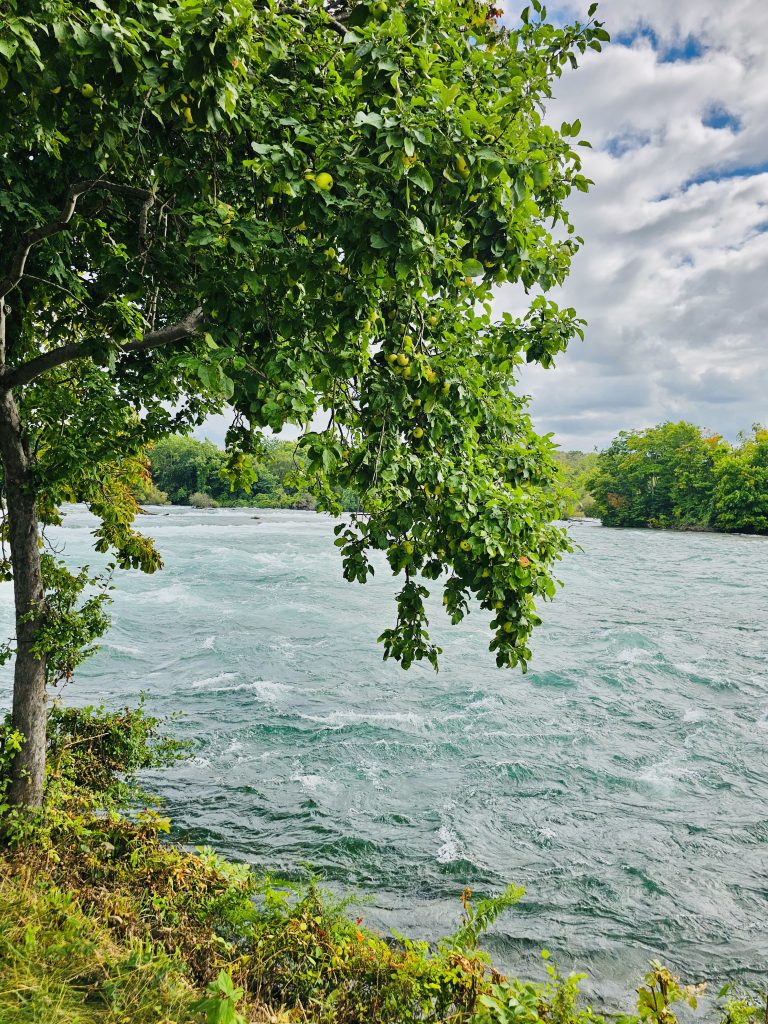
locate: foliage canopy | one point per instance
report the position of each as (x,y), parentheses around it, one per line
(300,216)
(247,203)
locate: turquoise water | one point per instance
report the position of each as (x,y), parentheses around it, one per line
(623,781)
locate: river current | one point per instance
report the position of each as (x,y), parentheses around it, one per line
(623,781)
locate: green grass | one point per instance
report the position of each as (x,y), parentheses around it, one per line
(60,965)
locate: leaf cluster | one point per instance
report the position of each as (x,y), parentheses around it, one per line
(303,219)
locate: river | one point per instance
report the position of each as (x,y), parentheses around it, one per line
(623,781)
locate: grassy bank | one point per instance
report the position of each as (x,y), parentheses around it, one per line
(103,919)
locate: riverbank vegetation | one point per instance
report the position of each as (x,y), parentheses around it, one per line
(678,476)
(103,919)
(672,476)
(185,471)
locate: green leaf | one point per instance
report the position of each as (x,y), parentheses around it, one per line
(420,176)
(369,117)
(473,268)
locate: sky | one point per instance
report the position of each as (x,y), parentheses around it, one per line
(673,277)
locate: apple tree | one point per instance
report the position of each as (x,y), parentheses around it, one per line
(298,212)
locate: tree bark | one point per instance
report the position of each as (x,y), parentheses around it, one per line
(29,713)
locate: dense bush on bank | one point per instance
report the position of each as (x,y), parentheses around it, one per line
(103,920)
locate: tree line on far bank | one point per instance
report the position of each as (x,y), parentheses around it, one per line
(674,476)
(185,471)
(678,476)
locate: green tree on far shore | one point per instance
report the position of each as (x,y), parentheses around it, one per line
(677,476)
(576,470)
(183,468)
(741,486)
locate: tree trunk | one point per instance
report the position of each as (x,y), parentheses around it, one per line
(29,713)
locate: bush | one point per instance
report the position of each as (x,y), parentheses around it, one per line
(199,500)
(99,752)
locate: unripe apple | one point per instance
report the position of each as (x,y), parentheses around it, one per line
(324,181)
(87,90)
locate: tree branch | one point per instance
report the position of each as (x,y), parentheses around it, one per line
(35,235)
(19,375)
(333,23)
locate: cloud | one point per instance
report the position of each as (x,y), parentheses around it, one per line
(672,279)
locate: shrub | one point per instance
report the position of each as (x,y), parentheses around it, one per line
(200,500)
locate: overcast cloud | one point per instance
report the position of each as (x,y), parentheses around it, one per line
(673,279)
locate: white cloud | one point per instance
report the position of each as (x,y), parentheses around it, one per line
(673,275)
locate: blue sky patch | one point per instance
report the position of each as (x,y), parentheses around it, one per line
(618,145)
(709,174)
(718,116)
(686,49)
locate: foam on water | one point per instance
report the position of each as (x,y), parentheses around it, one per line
(449,849)
(623,781)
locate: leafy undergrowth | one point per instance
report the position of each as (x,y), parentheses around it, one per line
(62,965)
(102,919)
